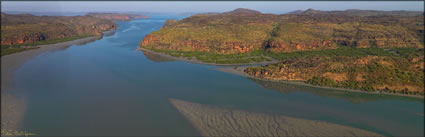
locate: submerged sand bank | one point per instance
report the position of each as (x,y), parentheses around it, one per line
(214,121)
(10,63)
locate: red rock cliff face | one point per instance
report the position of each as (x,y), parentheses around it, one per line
(154,42)
(388,41)
(148,39)
(239,47)
(24,39)
(283,72)
(281,46)
(229,47)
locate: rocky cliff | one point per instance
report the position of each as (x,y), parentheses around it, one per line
(244,30)
(20,29)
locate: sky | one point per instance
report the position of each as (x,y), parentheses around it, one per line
(205,6)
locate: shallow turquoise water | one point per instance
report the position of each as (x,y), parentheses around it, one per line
(106,87)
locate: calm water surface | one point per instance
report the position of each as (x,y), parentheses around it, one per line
(106,87)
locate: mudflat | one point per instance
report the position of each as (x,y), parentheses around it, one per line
(10,63)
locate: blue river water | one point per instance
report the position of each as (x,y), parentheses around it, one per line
(107,87)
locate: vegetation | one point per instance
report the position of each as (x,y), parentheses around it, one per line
(398,70)
(240,31)
(7,51)
(341,51)
(355,49)
(10,49)
(22,32)
(237,58)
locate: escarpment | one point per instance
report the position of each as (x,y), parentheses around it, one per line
(21,29)
(244,31)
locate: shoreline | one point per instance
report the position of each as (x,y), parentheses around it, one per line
(10,63)
(229,68)
(196,61)
(239,71)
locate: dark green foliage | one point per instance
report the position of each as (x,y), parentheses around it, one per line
(320,81)
(14,50)
(237,58)
(342,51)
(10,49)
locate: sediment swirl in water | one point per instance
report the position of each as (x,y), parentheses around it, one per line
(213,121)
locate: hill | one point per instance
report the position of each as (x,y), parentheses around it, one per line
(116,16)
(243,31)
(354,49)
(19,31)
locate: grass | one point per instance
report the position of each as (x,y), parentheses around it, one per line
(10,49)
(262,55)
(238,58)
(341,51)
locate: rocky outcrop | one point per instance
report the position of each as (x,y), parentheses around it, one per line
(288,70)
(24,39)
(198,45)
(238,47)
(282,46)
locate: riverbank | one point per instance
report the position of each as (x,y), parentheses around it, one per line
(239,70)
(196,61)
(10,63)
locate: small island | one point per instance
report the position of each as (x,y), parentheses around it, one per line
(374,51)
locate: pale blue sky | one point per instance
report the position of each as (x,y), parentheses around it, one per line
(206,6)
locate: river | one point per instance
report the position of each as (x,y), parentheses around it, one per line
(107,87)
